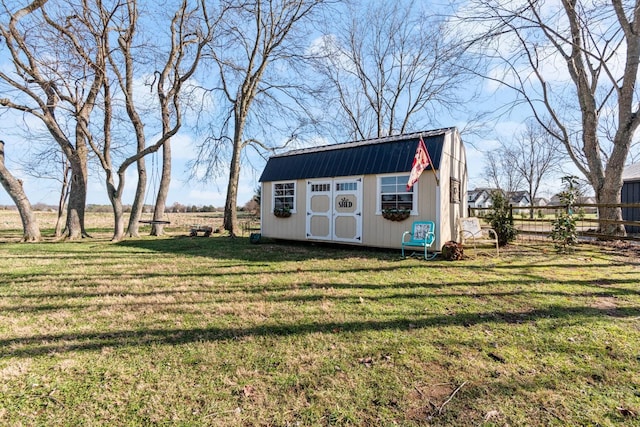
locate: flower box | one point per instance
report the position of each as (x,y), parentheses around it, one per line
(395,214)
(282,212)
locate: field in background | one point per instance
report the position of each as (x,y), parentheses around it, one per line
(180,223)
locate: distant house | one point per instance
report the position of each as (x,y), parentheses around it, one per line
(479,197)
(519,199)
(555,200)
(631,194)
(580,200)
(347,192)
(540,201)
(586,200)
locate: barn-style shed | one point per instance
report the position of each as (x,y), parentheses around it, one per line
(631,194)
(356,192)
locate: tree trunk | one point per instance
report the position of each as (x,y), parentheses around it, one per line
(609,185)
(230,207)
(532,210)
(118,217)
(610,194)
(116,203)
(138,200)
(31,232)
(77,196)
(230,212)
(62,201)
(161,199)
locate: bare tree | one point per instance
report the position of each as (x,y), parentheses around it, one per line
(51,164)
(13,186)
(123,70)
(500,173)
(599,45)
(391,67)
(183,53)
(535,155)
(56,78)
(178,69)
(257,48)
(528,158)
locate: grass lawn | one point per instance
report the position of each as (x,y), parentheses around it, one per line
(220,332)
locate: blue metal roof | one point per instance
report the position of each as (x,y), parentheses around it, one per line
(372,156)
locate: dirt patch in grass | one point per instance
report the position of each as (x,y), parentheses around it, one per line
(429,399)
(605,303)
(622,248)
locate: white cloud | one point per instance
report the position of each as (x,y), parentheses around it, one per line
(507,130)
(182,147)
(199,197)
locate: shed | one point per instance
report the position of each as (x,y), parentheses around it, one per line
(631,194)
(344,192)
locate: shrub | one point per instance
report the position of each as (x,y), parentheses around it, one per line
(563,232)
(563,229)
(501,218)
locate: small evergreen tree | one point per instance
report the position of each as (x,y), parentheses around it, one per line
(563,229)
(501,218)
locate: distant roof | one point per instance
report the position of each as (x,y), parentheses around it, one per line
(518,196)
(631,172)
(371,156)
(472,195)
(586,199)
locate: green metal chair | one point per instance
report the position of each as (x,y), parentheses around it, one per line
(422,235)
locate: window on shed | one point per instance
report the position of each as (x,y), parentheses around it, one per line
(284,195)
(346,186)
(319,188)
(393,193)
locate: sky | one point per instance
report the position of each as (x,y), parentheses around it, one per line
(182,190)
(213,193)
(189,192)
(185,191)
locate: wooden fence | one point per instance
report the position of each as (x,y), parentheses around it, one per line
(536,221)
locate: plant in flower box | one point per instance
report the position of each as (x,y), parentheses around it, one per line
(395,214)
(283,212)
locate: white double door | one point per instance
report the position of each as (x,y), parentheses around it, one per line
(334,209)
